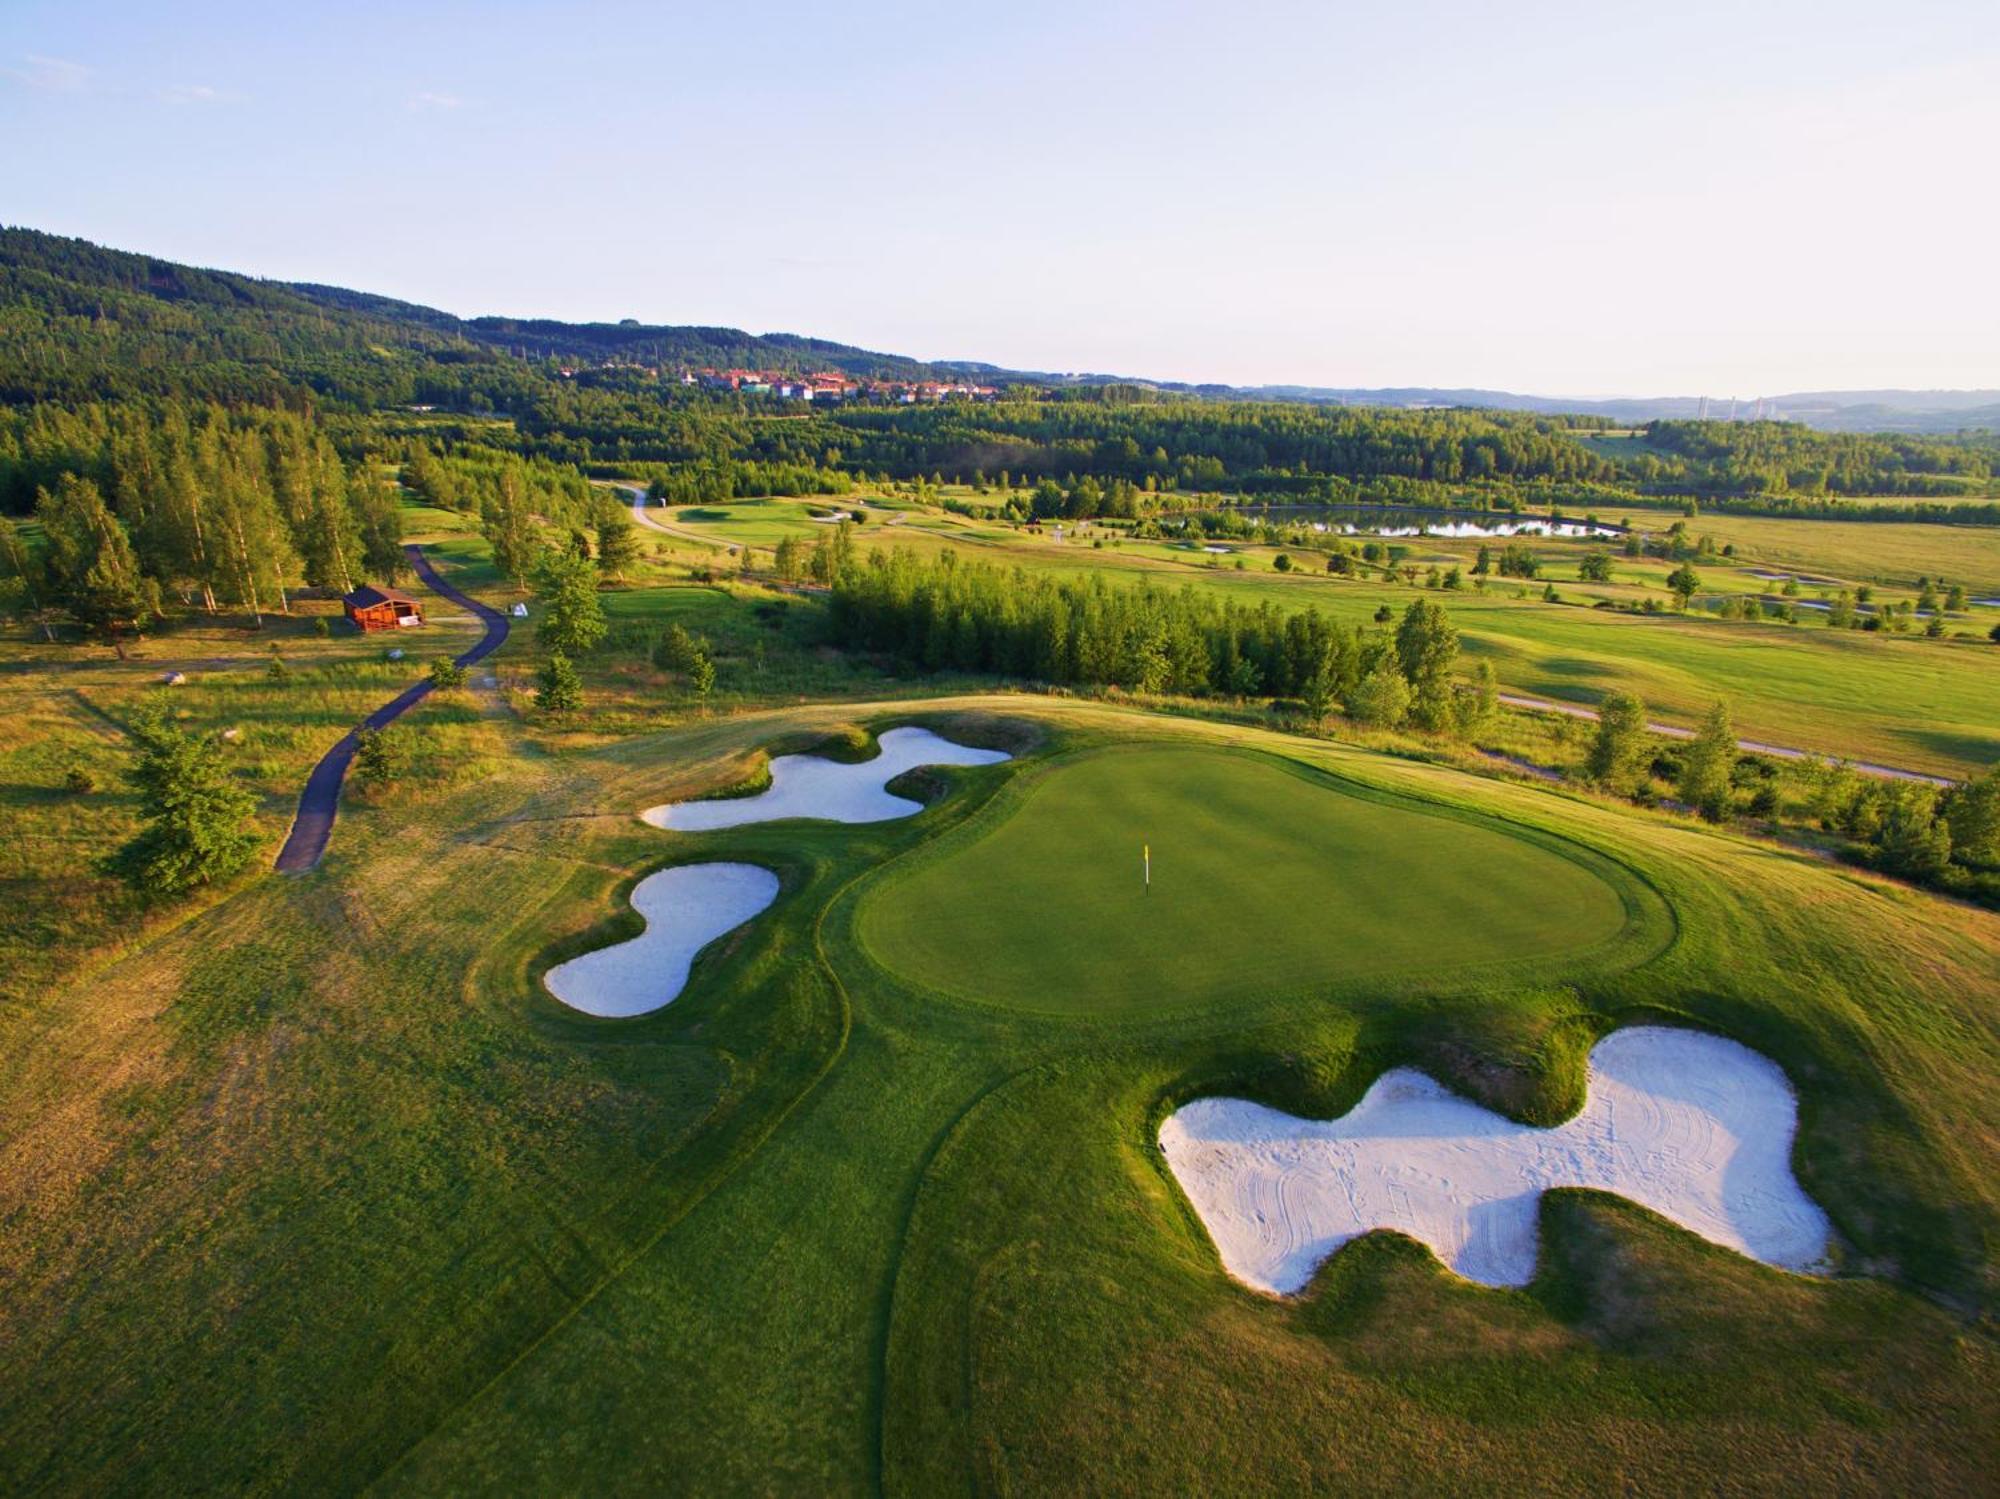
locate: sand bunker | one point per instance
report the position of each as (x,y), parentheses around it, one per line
(686,908)
(808,786)
(1696,1128)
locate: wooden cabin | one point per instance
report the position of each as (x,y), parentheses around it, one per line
(375,608)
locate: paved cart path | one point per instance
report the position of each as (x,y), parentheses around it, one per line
(643,514)
(319,804)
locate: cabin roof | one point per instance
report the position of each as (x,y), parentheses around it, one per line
(367,596)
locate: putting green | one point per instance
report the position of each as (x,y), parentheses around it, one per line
(1265,880)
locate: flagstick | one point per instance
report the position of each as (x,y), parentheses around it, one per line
(1146,853)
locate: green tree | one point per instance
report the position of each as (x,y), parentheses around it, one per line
(381,756)
(1620,743)
(617,542)
(197,815)
(572,619)
(508,526)
(1382,700)
(1915,842)
(1705,767)
(1973,813)
(1685,583)
(560,689)
(379,516)
(1321,689)
(676,649)
(446,674)
(1595,568)
(1477,708)
(21,565)
(92,570)
(701,674)
(1427,650)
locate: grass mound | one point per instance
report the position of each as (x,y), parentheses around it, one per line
(1266,879)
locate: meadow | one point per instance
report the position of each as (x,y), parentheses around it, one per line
(875,1205)
(384,1209)
(1900,700)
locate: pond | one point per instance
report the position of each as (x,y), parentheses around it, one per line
(1400,520)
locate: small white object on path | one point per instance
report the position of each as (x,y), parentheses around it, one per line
(810,786)
(520,611)
(685,908)
(1697,1128)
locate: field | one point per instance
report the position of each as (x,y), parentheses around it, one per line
(382,1208)
(1901,700)
(875,1205)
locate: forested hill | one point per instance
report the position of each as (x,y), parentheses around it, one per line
(78,321)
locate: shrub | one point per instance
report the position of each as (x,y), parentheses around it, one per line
(197,815)
(322,627)
(380,756)
(79,782)
(1382,701)
(561,689)
(447,674)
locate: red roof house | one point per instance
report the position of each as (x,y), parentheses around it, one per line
(375,608)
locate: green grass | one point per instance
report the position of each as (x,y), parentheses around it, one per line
(317,1189)
(1044,908)
(1898,700)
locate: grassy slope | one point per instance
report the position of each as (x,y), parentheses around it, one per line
(333,1198)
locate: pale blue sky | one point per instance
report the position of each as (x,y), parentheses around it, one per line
(1581,199)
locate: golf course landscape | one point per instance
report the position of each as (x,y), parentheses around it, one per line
(581,917)
(860,1206)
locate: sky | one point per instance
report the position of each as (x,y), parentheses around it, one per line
(1744,198)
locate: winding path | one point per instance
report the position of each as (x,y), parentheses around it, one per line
(643,514)
(319,804)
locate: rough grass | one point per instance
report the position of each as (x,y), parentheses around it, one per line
(318,1190)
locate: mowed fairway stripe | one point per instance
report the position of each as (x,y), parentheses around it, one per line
(1263,881)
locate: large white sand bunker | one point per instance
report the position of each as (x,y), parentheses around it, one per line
(1696,1128)
(685,908)
(809,786)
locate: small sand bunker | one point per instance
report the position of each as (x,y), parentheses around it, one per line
(685,908)
(1696,1128)
(808,786)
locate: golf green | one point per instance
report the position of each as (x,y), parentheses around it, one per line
(1265,879)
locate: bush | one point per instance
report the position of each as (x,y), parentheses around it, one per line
(323,627)
(79,782)
(380,756)
(197,814)
(561,689)
(1282,563)
(276,670)
(447,674)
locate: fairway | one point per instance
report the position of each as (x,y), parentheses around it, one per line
(1266,879)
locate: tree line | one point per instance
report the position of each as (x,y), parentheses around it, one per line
(948,614)
(211,506)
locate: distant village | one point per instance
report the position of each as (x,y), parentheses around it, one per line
(832,386)
(826,386)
